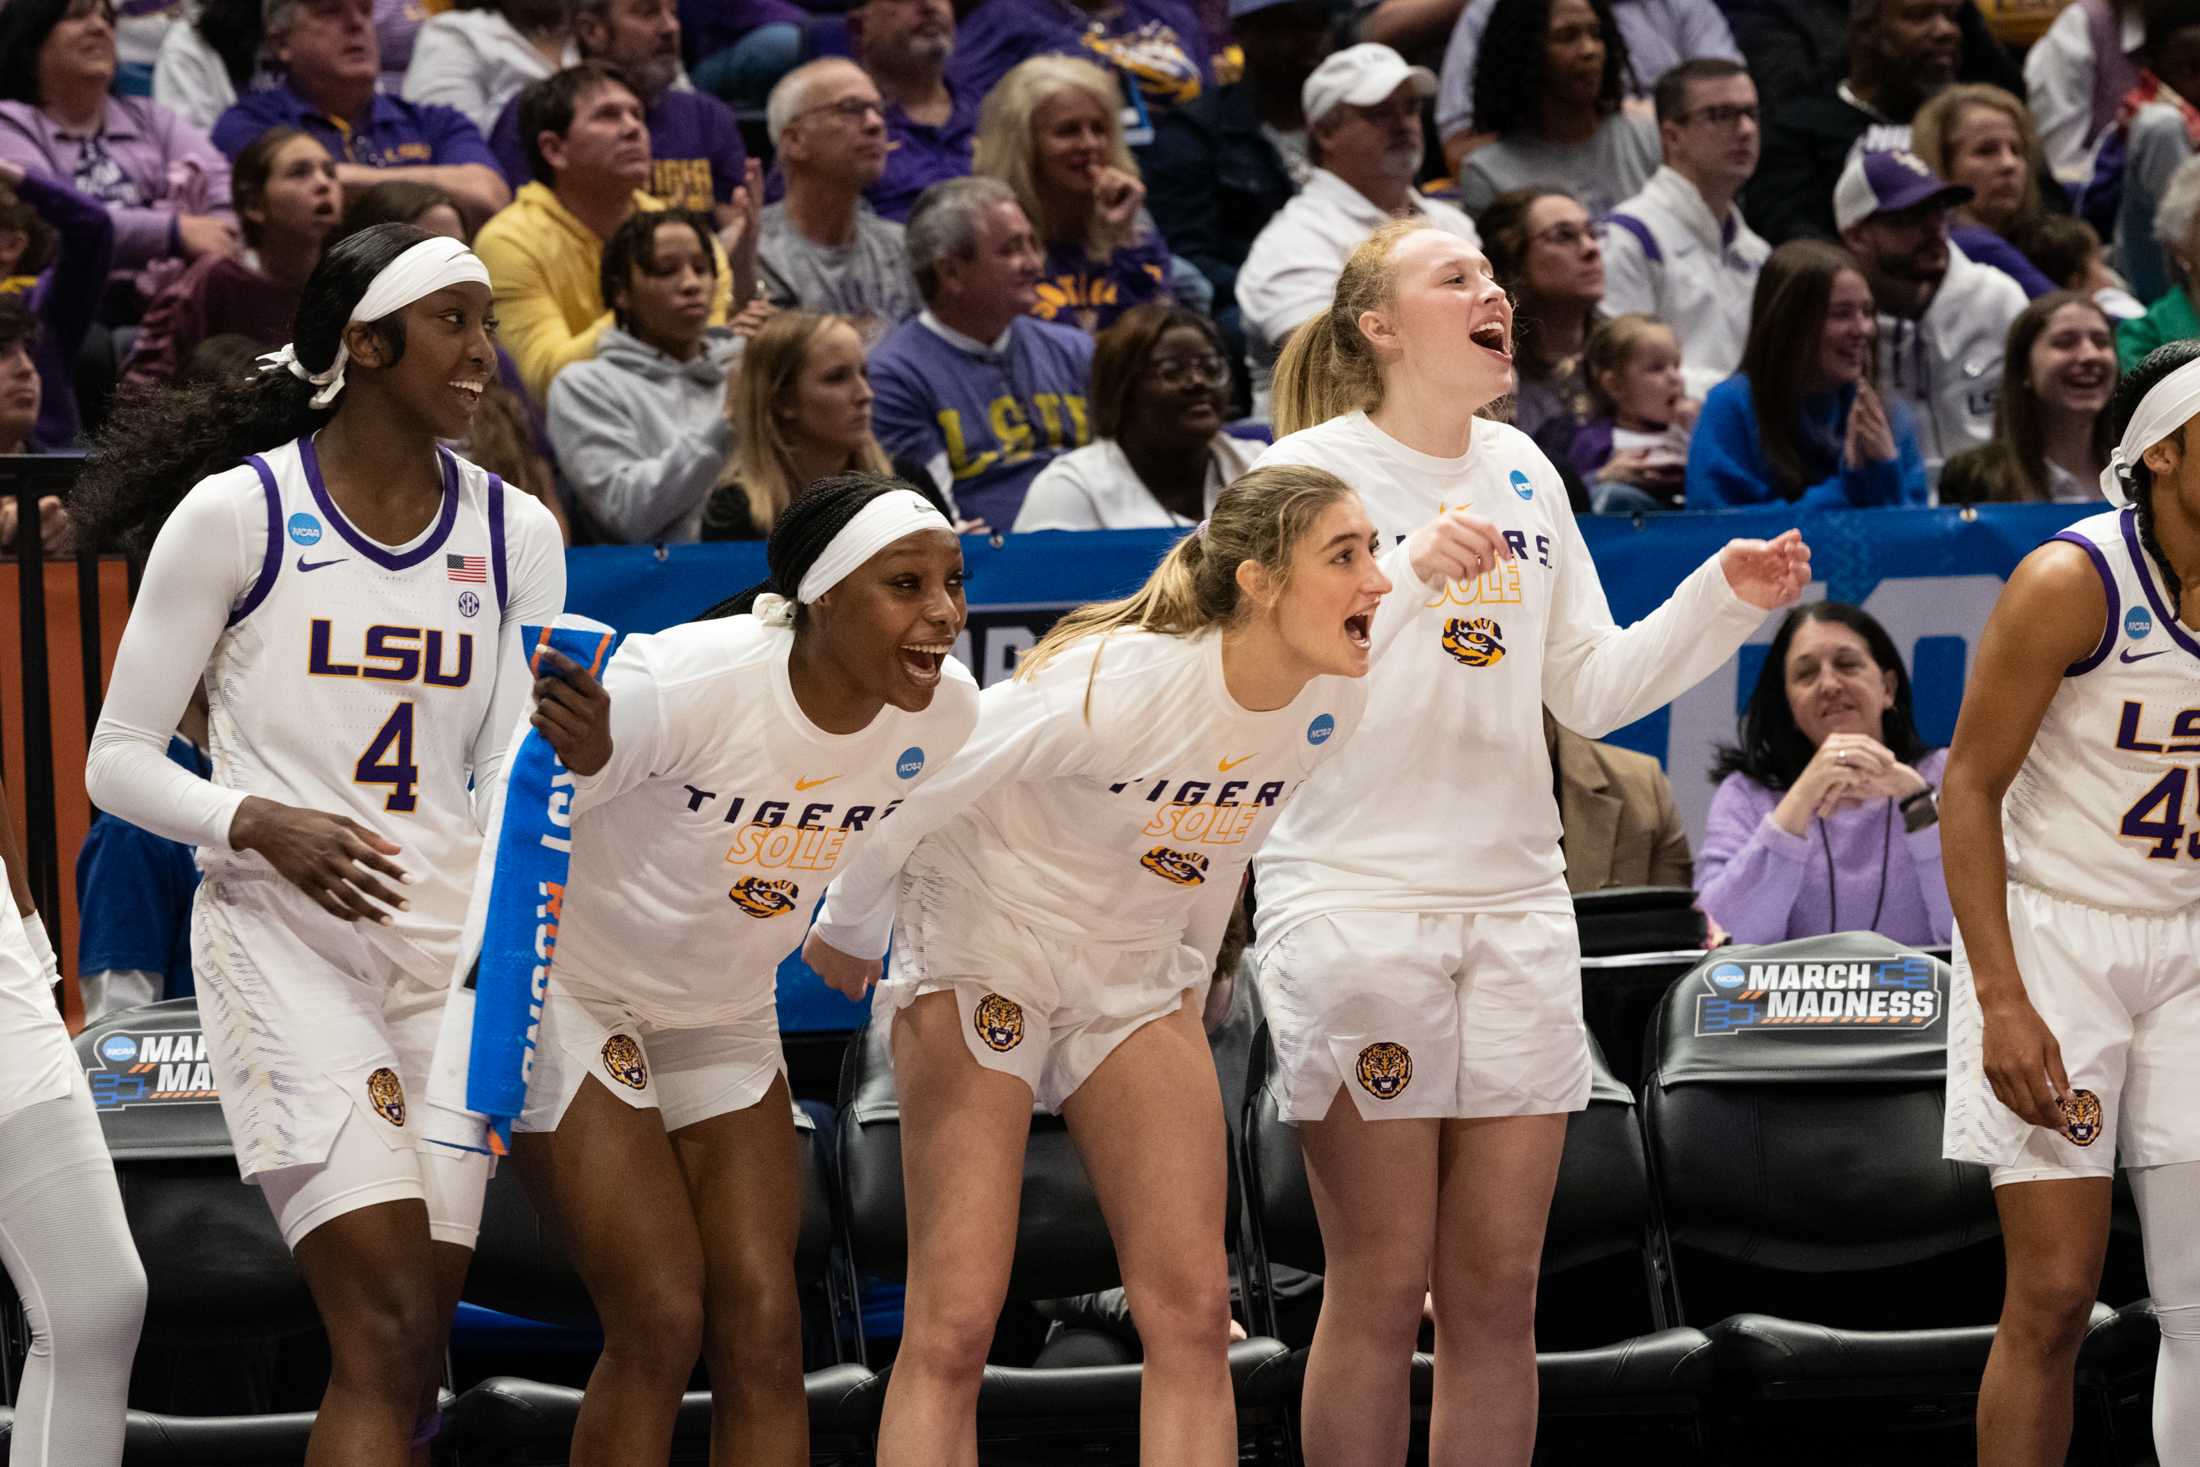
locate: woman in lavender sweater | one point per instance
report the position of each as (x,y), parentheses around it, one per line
(1825,818)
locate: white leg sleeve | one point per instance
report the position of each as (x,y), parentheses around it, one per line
(2169,1220)
(66,1246)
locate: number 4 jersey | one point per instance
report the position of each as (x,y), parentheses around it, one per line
(362,679)
(2103,809)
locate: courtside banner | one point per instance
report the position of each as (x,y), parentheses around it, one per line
(1929,575)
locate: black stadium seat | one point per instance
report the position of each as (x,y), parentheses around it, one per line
(1611,1373)
(521,1268)
(1848,1276)
(1034,1413)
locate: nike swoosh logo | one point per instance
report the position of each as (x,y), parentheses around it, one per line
(1226,765)
(2127,655)
(811,784)
(314,565)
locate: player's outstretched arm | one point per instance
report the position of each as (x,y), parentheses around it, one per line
(2049,616)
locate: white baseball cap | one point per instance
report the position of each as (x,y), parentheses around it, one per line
(1361,76)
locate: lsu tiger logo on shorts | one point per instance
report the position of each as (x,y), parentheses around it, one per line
(1477,643)
(2082,1117)
(760,897)
(1384,1069)
(622,1061)
(386,1093)
(999,1022)
(1185,868)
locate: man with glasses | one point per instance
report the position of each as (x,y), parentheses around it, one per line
(821,247)
(1680,250)
(1363,135)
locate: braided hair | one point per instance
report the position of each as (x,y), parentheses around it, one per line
(804,528)
(2158,364)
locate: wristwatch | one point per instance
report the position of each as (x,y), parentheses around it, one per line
(1919,810)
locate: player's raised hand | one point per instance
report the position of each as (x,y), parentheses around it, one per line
(330,858)
(1455,546)
(850,977)
(572,711)
(1767,573)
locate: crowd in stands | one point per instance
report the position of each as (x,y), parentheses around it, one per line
(1763,252)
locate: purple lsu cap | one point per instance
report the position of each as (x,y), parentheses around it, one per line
(1887,183)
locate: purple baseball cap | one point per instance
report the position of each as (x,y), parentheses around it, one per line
(1887,183)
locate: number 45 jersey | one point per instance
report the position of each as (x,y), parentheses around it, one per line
(362,679)
(2106,808)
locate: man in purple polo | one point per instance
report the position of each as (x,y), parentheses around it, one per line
(695,151)
(930,123)
(331,61)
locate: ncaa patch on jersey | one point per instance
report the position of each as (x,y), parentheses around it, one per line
(386,1093)
(1521,486)
(304,529)
(1320,729)
(911,763)
(2138,622)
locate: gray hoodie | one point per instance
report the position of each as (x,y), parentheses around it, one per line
(642,438)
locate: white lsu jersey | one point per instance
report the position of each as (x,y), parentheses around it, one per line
(2105,809)
(361,679)
(1444,801)
(700,849)
(1114,797)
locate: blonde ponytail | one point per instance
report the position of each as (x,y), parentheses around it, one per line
(1326,369)
(1259,518)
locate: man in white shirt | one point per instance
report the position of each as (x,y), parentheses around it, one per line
(1943,319)
(1363,133)
(821,248)
(1680,250)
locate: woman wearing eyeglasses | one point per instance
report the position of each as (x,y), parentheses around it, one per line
(1546,250)
(1159,457)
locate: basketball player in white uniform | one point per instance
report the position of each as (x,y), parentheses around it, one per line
(64,1241)
(1071,878)
(2072,845)
(1416,947)
(351,594)
(754,755)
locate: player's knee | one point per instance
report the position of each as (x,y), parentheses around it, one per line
(387,1335)
(1186,1308)
(656,1323)
(2047,1309)
(1492,1296)
(950,1336)
(756,1335)
(1380,1290)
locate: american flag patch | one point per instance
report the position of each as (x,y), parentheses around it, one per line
(474,568)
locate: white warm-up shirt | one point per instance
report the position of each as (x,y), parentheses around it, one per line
(381,682)
(1443,800)
(1113,797)
(701,847)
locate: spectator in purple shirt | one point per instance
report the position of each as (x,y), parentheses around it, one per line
(44,224)
(696,159)
(1157,48)
(331,61)
(163,183)
(1053,131)
(905,45)
(1825,819)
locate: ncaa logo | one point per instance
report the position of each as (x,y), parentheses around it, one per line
(1320,729)
(305,530)
(2138,622)
(911,763)
(118,1049)
(1728,977)
(1521,486)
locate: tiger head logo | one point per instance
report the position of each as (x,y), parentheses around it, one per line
(1476,643)
(1185,868)
(999,1022)
(386,1093)
(1384,1069)
(759,897)
(623,1062)
(2082,1117)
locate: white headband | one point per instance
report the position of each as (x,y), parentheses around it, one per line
(877,525)
(2169,405)
(429,266)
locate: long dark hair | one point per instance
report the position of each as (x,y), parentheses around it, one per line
(1787,320)
(156,445)
(2159,363)
(1773,749)
(249,175)
(801,533)
(1508,88)
(24,26)
(2014,465)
